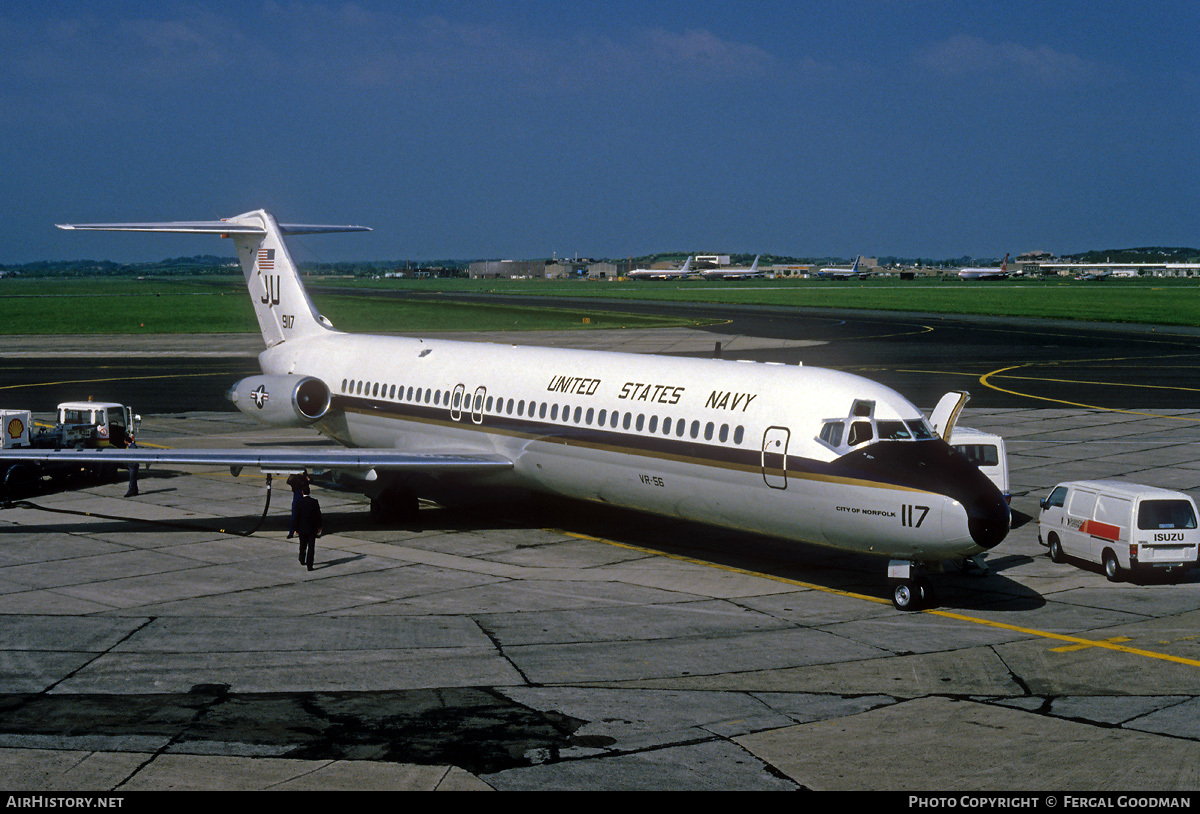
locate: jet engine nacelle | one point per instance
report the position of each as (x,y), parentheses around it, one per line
(282,401)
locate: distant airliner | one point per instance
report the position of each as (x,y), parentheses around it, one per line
(733,273)
(842,272)
(662,274)
(986,273)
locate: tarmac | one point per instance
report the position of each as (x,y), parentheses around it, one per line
(169,641)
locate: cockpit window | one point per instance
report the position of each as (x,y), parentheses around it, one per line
(831,433)
(920,430)
(860,433)
(862,408)
(893,431)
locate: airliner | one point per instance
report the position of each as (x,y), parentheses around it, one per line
(662,274)
(841,272)
(806,454)
(733,273)
(987,273)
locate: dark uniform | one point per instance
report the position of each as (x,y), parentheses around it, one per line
(308,526)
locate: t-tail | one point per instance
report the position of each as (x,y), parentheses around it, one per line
(281,304)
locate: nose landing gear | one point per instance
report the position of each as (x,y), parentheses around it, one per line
(911,590)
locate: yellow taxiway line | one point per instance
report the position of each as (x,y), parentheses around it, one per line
(1076,642)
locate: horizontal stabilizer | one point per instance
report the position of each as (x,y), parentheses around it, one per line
(211,227)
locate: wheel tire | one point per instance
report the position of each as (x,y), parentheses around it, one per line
(1056,552)
(1112,568)
(396,505)
(925,594)
(906,596)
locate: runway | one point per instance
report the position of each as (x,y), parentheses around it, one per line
(151,643)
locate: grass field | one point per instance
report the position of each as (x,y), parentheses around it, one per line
(125,306)
(210,305)
(1160,301)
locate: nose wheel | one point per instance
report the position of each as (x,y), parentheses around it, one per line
(911,590)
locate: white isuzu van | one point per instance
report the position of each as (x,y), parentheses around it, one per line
(1122,526)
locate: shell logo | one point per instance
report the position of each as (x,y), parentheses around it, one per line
(16,428)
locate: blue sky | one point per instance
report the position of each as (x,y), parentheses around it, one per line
(526,129)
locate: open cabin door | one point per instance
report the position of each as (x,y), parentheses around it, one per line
(945,414)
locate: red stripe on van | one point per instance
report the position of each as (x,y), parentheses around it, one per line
(1101,530)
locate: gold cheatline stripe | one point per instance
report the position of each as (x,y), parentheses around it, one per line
(631,450)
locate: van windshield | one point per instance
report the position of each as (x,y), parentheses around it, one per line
(1166,514)
(980,454)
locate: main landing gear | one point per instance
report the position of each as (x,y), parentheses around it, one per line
(911,590)
(395,504)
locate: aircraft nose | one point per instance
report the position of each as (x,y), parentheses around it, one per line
(988,519)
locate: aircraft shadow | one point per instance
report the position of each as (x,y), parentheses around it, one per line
(745,551)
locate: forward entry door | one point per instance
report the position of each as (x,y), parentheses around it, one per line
(774,457)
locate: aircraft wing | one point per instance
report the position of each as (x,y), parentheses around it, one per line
(278,459)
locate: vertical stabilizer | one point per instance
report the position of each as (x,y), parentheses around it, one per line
(281,304)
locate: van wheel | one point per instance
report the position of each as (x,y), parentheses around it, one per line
(1056,552)
(1112,568)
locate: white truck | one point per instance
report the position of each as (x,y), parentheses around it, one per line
(78,425)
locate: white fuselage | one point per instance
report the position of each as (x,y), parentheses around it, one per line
(729,443)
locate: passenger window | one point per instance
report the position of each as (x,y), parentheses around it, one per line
(680,427)
(724,436)
(640,420)
(1082,503)
(343,385)
(542,410)
(695,429)
(738,434)
(603,418)
(860,433)
(708,431)
(625,421)
(410,393)
(1113,510)
(578,413)
(554,412)
(667,425)
(521,407)
(588,418)
(653,423)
